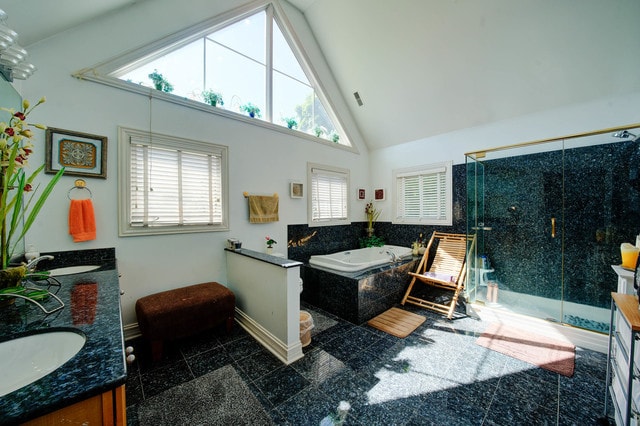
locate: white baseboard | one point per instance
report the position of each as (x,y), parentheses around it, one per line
(582,338)
(286,354)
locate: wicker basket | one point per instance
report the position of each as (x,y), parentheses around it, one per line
(306,324)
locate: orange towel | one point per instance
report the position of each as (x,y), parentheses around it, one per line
(82,222)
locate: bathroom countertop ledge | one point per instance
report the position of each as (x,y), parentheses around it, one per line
(274,260)
(98,367)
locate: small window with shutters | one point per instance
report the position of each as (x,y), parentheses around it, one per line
(171,185)
(423,195)
(328,199)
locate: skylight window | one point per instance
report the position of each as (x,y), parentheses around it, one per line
(250,69)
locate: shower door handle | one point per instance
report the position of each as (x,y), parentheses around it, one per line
(553,227)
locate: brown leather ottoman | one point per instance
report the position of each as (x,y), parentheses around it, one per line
(183,312)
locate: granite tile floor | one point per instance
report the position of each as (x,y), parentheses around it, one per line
(435,376)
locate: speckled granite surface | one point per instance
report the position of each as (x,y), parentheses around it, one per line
(357,296)
(92,305)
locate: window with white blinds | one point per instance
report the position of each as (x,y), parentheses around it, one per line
(328,199)
(423,195)
(171,185)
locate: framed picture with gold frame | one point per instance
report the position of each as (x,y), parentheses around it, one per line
(81,154)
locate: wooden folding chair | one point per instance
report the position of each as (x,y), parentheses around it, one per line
(447,270)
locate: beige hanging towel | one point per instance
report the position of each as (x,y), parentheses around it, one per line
(263,208)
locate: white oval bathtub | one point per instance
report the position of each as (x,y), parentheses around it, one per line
(359,259)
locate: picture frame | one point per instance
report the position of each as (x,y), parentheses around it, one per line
(296,190)
(378,194)
(361,194)
(81,154)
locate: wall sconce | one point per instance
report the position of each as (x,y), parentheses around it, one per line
(12,56)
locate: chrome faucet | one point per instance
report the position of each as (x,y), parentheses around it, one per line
(394,257)
(31,266)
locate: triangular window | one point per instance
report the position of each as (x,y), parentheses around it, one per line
(245,66)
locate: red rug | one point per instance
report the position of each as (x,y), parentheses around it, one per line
(545,352)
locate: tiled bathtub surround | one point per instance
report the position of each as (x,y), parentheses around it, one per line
(358,296)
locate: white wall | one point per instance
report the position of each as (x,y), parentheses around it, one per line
(579,118)
(260,161)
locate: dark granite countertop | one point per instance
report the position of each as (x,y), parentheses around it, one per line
(274,260)
(92,305)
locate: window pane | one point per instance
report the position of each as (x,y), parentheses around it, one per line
(246,37)
(424,195)
(329,196)
(240,80)
(288,94)
(187,81)
(171,187)
(284,60)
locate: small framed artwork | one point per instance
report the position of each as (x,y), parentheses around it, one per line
(378,195)
(296,190)
(81,154)
(361,194)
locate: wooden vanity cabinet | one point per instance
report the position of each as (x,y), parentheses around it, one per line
(108,409)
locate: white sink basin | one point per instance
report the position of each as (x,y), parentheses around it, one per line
(69,270)
(29,358)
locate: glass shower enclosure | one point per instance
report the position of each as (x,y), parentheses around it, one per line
(549,217)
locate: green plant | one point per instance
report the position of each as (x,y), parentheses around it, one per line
(160,82)
(270,241)
(251,109)
(335,137)
(372,241)
(292,123)
(16,215)
(212,98)
(319,131)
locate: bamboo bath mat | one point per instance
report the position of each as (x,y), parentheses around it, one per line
(397,322)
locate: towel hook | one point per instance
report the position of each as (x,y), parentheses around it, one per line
(79,184)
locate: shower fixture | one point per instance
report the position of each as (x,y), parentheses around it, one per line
(625,134)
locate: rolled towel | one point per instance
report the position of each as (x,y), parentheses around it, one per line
(82,221)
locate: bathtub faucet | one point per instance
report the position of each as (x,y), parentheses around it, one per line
(394,257)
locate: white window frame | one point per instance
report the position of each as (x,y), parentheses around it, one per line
(313,171)
(444,194)
(125,138)
(108,72)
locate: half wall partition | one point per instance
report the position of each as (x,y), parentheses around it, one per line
(549,217)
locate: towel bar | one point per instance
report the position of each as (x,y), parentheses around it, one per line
(79,184)
(246,194)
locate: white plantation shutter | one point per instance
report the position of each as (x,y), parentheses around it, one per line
(329,200)
(423,195)
(175,186)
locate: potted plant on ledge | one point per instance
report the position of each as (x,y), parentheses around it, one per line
(252,110)
(270,243)
(212,98)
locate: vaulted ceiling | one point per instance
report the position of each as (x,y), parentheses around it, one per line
(428,67)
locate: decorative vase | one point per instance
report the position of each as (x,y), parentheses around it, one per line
(370,232)
(269,249)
